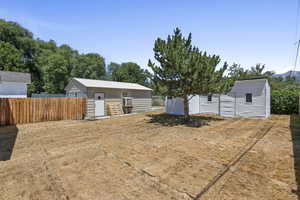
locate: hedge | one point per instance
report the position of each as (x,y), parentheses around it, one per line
(285,101)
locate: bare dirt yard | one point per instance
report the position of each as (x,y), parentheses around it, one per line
(151,156)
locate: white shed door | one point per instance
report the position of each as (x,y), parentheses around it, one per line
(227,106)
(99,104)
(194,105)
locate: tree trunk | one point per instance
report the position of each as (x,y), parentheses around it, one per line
(186,108)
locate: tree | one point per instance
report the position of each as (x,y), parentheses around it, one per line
(183,70)
(257,70)
(10,58)
(130,72)
(112,67)
(91,66)
(55,74)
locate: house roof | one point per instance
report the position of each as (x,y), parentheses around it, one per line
(18,77)
(91,83)
(255,86)
(253,78)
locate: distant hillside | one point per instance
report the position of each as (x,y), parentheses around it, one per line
(286,74)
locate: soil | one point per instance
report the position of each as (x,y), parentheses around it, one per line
(151,156)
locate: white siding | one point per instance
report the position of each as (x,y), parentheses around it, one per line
(175,106)
(209,107)
(227,106)
(194,105)
(268,100)
(231,105)
(13,90)
(258,106)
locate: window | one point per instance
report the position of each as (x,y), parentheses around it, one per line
(169,97)
(248,98)
(209,98)
(125,94)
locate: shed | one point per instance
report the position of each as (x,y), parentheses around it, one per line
(14,84)
(110,97)
(247,98)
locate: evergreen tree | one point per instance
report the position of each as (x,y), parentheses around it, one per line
(184,70)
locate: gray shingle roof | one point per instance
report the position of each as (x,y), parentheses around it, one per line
(18,77)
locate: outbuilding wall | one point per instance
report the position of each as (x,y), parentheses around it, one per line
(232,104)
(258,106)
(209,107)
(13,90)
(141,99)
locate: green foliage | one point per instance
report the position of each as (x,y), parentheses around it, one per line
(55,73)
(112,67)
(184,70)
(90,66)
(285,101)
(50,66)
(10,58)
(130,72)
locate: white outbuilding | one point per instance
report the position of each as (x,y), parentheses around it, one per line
(247,98)
(14,84)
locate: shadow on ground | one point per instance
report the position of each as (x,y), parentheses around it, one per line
(8,136)
(295,129)
(175,120)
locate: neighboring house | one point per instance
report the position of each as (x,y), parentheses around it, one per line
(14,84)
(109,97)
(247,98)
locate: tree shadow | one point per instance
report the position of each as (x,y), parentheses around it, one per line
(176,120)
(295,130)
(8,136)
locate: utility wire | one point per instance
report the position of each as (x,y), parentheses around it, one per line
(298,40)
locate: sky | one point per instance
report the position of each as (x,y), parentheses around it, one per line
(246,32)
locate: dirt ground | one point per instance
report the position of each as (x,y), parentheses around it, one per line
(151,156)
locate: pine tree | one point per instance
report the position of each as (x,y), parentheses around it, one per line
(184,70)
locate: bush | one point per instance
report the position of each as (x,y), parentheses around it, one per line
(285,101)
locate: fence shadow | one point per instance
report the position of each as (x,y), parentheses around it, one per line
(175,120)
(8,136)
(295,130)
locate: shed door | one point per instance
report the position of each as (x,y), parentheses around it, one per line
(227,106)
(194,105)
(99,104)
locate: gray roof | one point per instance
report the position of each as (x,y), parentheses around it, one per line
(18,77)
(254,86)
(110,84)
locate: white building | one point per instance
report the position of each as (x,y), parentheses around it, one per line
(14,84)
(247,98)
(103,95)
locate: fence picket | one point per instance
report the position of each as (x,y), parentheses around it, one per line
(29,110)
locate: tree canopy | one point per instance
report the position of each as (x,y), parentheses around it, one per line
(184,70)
(130,72)
(51,66)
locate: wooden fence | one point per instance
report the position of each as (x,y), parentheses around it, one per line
(29,110)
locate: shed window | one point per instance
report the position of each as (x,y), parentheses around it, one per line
(209,98)
(125,94)
(169,97)
(248,98)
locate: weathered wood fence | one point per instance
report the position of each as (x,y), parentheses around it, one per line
(29,110)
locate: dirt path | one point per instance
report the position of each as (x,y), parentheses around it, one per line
(143,157)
